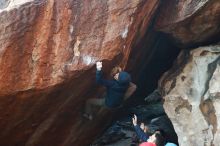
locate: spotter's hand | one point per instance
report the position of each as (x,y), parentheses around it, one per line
(134,120)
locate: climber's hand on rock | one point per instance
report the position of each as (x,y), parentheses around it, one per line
(134,120)
(99,65)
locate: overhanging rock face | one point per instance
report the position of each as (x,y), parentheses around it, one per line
(48,49)
(192,98)
(190,22)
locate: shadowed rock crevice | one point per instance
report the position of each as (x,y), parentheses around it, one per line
(172,73)
(153,55)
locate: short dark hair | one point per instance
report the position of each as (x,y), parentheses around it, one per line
(160,141)
(116,70)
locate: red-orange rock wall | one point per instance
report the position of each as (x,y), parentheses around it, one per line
(48,51)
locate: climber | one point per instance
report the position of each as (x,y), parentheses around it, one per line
(156,139)
(131,88)
(115,91)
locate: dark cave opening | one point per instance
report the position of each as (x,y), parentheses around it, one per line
(163,55)
(150,58)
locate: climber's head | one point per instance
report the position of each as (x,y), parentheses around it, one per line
(157,138)
(115,70)
(123,77)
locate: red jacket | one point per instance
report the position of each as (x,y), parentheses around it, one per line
(147,144)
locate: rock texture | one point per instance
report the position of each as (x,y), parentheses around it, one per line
(48,49)
(192,98)
(190,22)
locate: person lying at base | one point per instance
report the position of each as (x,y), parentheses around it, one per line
(156,139)
(115,91)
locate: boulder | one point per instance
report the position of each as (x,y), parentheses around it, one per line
(190,22)
(192,99)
